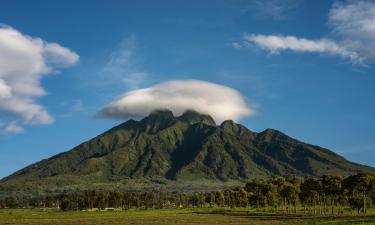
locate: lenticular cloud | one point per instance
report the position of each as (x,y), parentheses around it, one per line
(219,101)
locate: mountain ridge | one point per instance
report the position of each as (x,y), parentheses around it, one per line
(164,149)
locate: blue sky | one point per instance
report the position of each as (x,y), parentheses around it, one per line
(303,67)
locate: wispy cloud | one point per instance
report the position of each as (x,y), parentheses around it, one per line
(274,9)
(78,105)
(11,127)
(24,61)
(123,65)
(278,43)
(75,105)
(353,28)
(354,24)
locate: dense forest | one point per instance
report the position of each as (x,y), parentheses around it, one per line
(329,194)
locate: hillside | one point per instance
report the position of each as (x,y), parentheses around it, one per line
(185,152)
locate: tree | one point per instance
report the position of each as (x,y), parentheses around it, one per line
(332,186)
(310,193)
(280,182)
(228,198)
(220,198)
(210,198)
(290,194)
(199,199)
(12,202)
(262,193)
(358,187)
(242,198)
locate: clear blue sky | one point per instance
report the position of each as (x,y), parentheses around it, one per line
(292,60)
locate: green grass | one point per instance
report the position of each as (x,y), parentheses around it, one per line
(172,216)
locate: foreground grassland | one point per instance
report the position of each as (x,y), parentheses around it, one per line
(173,216)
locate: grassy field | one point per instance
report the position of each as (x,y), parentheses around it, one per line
(172,216)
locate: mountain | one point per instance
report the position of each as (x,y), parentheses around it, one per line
(185,152)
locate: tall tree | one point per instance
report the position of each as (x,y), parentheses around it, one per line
(359,185)
(289,193)
(311,192)
(332,186)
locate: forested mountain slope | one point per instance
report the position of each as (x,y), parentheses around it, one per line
(162,149)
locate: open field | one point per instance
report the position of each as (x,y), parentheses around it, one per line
(172,216)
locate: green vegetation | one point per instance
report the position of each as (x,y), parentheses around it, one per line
(187,170)
(186,153)
(328,195)
(217,216)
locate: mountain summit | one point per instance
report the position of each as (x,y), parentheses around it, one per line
(189,150)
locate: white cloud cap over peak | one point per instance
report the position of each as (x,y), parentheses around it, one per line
(219,101)
(24,61)
(277,43)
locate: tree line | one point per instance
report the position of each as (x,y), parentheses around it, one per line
(328,194)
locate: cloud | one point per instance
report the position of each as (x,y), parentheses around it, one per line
(59,56)
(78,105)
(237,45)
(277,43)
(274,9)
(353,35)
(5,90)
(75,105)
(123,65)
(219,101)
(11,128)
(24,61)
(354,24)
